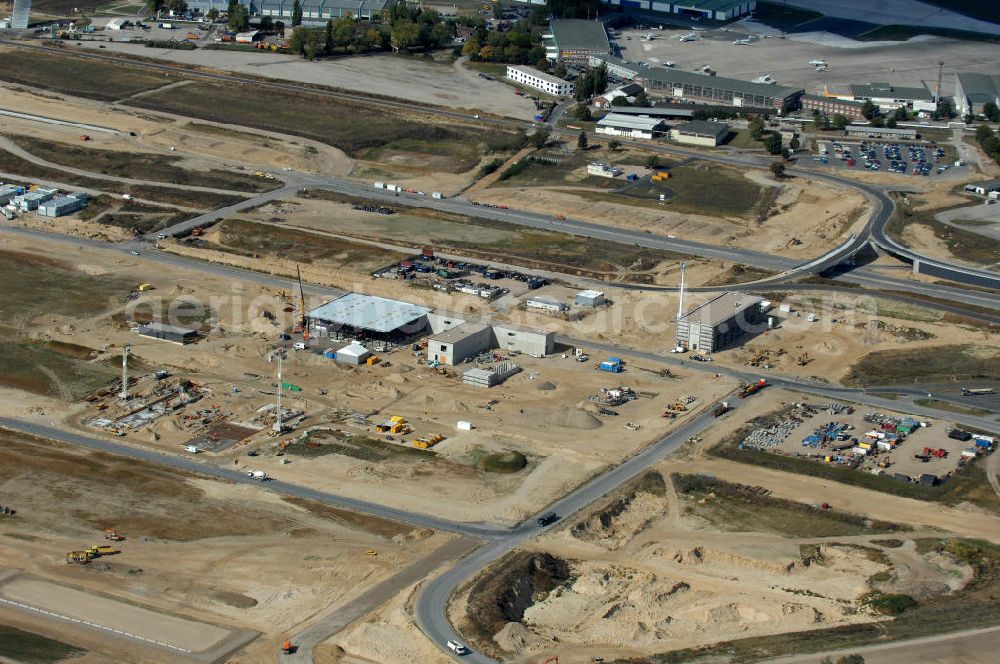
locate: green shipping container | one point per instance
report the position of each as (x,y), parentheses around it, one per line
(290,387)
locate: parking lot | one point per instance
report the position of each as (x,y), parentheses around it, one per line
(928,159)
(449,276)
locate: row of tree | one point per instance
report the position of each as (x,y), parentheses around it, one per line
(592,82)
(405,28)
(520,44)
(988,141)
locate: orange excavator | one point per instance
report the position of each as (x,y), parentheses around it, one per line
(287,648)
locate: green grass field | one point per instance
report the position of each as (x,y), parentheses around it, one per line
(31,648)
(35,285)
(142,166)
(246,238)
(727,507)
(353,127)
(76,76)
(927,365)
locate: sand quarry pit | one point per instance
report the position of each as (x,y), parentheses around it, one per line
(646,572)
(135,621)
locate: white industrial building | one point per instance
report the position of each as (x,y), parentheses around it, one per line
(700,132)
(534,78)
(314,12)
(9,192)
(20,14)
(868,131)
(248,37)
(630,126)
(602,170)
(628,92)
(117,23)
(58,207)
(590,298)
(720,321)
(453,339)
(546,305)
(31,200)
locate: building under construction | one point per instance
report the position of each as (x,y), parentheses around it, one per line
(367,317)
(721,321)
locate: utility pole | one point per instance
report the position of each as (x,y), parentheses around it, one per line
(937,94)
(124,393)
(680,304)
(278,427)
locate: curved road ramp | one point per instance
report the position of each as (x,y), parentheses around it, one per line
(167,637)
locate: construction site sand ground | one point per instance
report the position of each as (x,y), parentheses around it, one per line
(198,554)
(652,571)
(846,329)
(805,218)
(557,429)
(658,577)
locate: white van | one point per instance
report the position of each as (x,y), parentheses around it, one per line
(299,345)
(457,648)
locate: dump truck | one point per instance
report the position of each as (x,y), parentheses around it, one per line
(721,409)
(99,550)
(750,388)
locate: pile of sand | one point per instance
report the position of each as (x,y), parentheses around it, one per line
(546,386)
(568,418)
(449,405)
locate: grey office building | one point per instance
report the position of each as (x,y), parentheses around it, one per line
(721,321)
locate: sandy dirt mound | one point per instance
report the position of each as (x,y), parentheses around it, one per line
(518,639)
(567,418)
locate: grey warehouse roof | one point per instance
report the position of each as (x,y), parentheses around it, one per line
(629,122)
(157,326)
(721,308)
(980,88)
(576,34)
(704,128)
(655,111)
(879,90)
(676,77)
(354,6)
(901,131)
(368,312)
(459,332)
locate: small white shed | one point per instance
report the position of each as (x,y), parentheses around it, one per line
(354,353)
